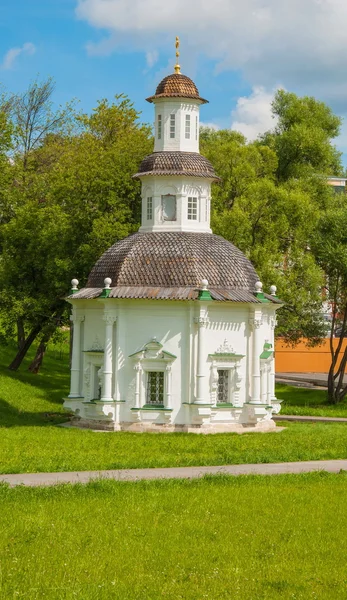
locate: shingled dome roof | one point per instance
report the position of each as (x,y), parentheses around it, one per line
(174,259)
(177,85)
(191,164)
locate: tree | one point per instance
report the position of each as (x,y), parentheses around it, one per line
(271,222)
(330,249)
(302,138)
(81,185)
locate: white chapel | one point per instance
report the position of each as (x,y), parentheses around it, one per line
(173,331)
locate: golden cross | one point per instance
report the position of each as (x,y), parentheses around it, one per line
(177,66)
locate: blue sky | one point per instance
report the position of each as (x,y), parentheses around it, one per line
(237,53)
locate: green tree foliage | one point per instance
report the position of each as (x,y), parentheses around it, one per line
(270,201)
(302,138)
(76,180)
(329,246)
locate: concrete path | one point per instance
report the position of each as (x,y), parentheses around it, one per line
(307,419)
(46,479)
(312,379)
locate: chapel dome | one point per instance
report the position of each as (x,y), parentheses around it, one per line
(177,85)
(189,164)
(174,259)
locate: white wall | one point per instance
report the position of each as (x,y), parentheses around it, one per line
(182,188)
(180,108)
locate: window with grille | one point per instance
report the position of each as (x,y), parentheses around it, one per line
(172,126)
(159,127)
(149,209)
(223,386)
(155,388)
(192,209)
(187,127)
(196,128)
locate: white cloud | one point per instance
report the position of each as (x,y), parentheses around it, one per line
(300,42)
(210,125)
(252,115)
(13,53)
(152,57)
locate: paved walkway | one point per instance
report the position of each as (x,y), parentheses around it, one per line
(46,479)
(307,419)
(314,379)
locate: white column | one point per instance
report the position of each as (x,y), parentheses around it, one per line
(75,391)
(269,383)
(273,323)
(255,325)
(108,359)
(138,370)
(201,358)
(168,386)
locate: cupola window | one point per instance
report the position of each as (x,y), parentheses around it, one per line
(149,209)
(187,127)
(196,128)
(159,127)
(172,126)
(155,388)
(192,209)
(169,207)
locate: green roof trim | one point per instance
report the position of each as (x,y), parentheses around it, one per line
(204,295)
(267,351)
(105,293)
(266,354)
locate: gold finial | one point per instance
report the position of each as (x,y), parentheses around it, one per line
(177,66)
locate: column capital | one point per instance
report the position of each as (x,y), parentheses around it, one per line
(201,321)
(273,322)
(255,323)
(109,319)
(75,318)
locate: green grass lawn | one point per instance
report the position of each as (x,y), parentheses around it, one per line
(30,406)
(261,538)
(301,401)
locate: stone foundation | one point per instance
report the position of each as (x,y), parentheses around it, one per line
(150,427)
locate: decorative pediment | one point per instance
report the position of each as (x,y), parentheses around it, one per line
(96,345)
(153,350)
(226,351)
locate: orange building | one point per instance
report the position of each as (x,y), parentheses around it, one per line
(302,359)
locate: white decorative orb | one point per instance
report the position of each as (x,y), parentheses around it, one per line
(107,282)
(258,287)
(74,283)
(204,284)
(273,290)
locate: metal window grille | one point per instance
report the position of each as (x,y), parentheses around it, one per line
(172,126)
(223,386)
(187,127)
(192,209)
(155,388)
(159,127)
(149,209)
(196,128)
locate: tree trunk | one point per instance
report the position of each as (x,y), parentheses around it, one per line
(17,361)
(20,333)
(36,364)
